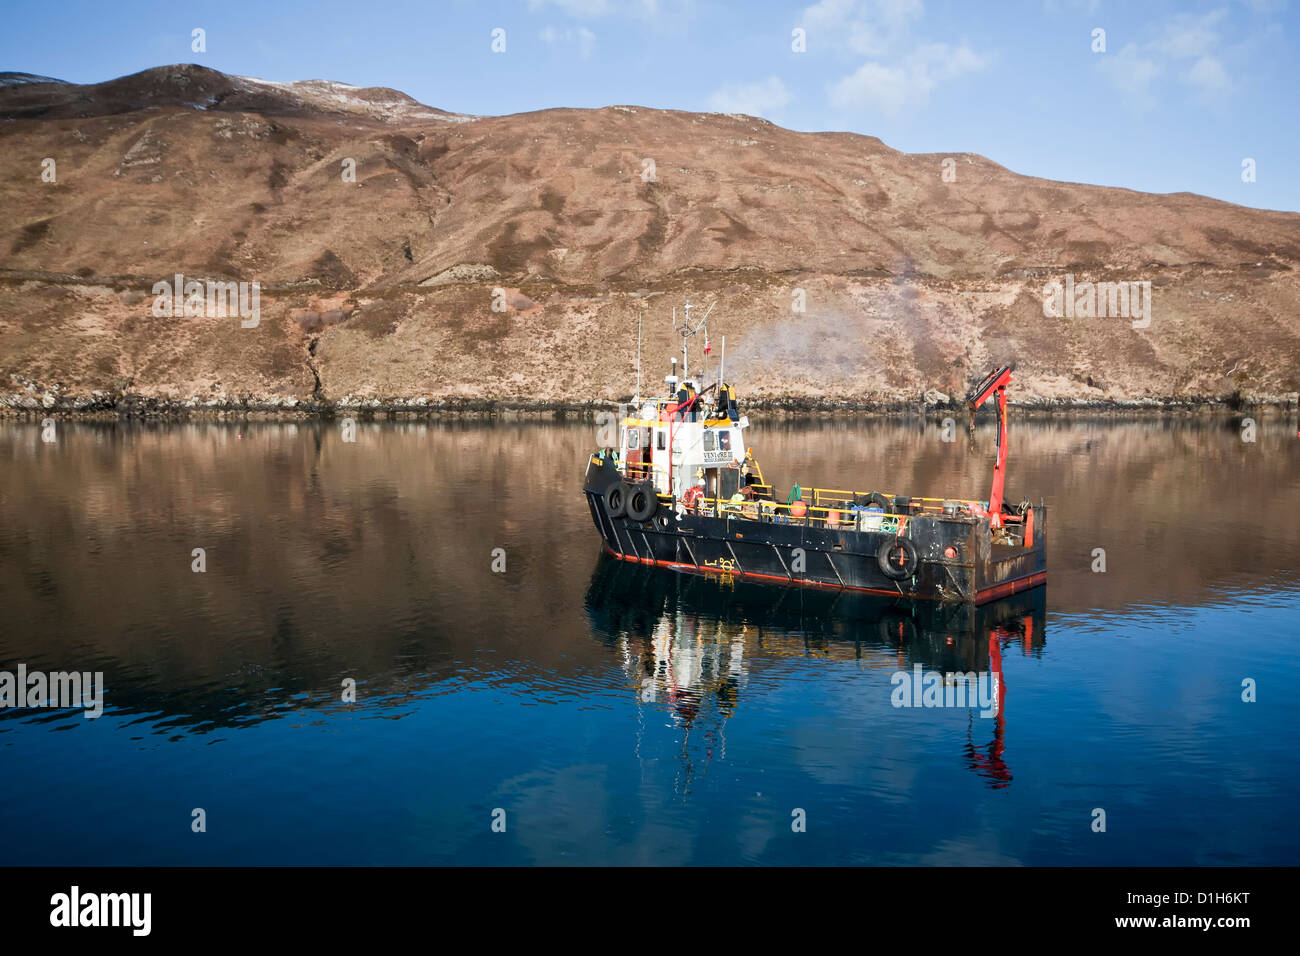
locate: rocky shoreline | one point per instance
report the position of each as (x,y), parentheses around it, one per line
(34,405)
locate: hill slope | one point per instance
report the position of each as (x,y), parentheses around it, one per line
(384,287)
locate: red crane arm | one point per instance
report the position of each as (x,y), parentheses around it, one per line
(995,382)
(998,378)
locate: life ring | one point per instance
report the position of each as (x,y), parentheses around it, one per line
(616,500)
(897,558)
(642,502)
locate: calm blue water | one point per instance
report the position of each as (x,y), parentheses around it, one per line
(631,716)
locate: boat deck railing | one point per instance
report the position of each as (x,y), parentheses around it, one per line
(664,411)
(846,499)
(777,513)
(826,508)
(839,499)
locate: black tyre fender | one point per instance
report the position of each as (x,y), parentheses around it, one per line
(642,502)
(897,558)
(876,498)
(616,500)
(662,521)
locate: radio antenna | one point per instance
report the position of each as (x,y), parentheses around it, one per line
(686,330)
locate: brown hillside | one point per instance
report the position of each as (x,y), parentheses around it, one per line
(382,288)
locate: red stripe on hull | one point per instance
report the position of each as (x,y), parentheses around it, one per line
(983,597)
(1010,587)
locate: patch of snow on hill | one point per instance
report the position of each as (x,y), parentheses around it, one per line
(349,98)
(25,79)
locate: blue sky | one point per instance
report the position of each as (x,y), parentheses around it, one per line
(1182,94)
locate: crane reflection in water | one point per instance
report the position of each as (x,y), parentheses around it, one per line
(689,646)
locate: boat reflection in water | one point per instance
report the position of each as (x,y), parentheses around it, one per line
(690,645)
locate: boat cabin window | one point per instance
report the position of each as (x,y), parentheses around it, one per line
(633,439)
(724,441)
(662,440)
(708,440)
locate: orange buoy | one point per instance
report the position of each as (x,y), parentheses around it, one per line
(798,509)
(833,518)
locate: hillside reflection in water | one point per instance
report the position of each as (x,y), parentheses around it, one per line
(626,715)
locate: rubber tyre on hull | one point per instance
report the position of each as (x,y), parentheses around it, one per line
(876,498)
(616,500)
(897,558)
(642,502)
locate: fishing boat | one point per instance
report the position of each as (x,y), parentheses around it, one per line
(678,487)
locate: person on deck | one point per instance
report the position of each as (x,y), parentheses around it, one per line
(691,500)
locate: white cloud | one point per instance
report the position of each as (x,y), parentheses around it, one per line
(1189,34)
(575,8)
(764,98)
(1131,72)
(872,86)
(890,89)
(591,9)
(865,27)
(1189,47)
(582,37)
(899,70)
(1266,6)
(1061,6)
(1208,75)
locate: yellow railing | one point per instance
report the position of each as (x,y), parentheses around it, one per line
(824,507)
(666,410)
(642,471)
(774,512)
(824,496)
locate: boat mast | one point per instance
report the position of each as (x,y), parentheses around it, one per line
(637,399)
(686,331)
(686,365)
